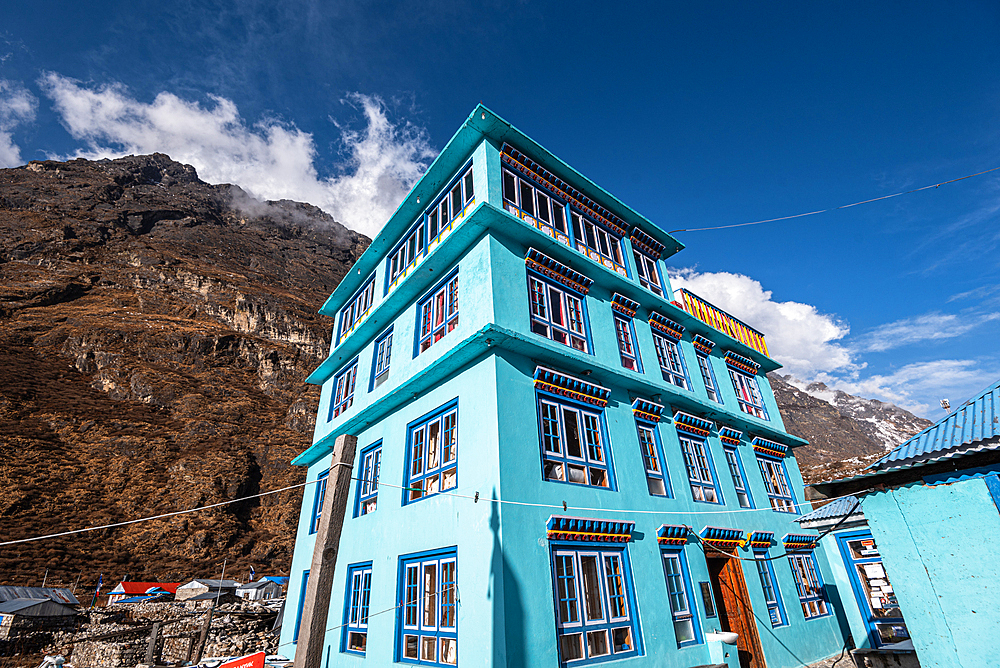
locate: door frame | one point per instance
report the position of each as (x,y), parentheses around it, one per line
(737,606)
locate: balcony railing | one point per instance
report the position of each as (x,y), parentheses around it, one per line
(720,320)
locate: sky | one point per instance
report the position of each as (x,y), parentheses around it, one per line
(694,114)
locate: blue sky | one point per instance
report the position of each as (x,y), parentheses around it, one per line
(695,114)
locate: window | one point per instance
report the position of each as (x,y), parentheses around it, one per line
(699,469)
(678,585)
(407,253)
(367,492)
(649,273)
(427,619)
(318,497)
(438,313)
(380,360)
(450,206)
(593,601)
(356,309)
(596,238)
(302,602)
(808,584)
(572,443)
(709,377)
(772,597)
(739,480)
(558,314)
(652,458)
(627,348)
(343,390)
(432,453)
(776,484)
(359,589)
(671,363)
(534,201)
(748,394)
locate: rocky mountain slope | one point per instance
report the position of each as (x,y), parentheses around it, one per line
(155,332)
(845,433)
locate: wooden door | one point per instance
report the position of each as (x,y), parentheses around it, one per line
(734,608)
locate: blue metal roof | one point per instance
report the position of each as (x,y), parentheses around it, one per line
(976,420)
(835,509)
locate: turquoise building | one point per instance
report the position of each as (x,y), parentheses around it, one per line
(561,460)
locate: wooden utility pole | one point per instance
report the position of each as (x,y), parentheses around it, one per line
(315,608)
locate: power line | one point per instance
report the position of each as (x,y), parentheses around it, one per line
(835,208)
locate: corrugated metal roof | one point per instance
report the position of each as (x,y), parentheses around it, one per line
(976,420)
(59,595)
(835,509)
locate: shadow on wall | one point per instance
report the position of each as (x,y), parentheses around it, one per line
(505,592)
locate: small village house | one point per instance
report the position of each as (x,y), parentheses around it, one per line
(125,591)
(202,587)
(266,588)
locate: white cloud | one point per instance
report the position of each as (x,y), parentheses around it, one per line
(927,327)
(17,106)
(798,336)
(270,159)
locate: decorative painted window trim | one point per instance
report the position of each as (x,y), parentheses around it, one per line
(342,392)
(760,540)
(366,493)
(571,387)
(654,463)
(722,538)
(437,313)
(646,243)
(692,424)
(672,534)
(354,637)
(673,369)
(809,584)
(708,377)
(741,363)
(769,448)
(594,603)
(381,357)
(799,542)
(681,602)
(427,619)
(536,205)
(736,472)
(431,454)
(650,411)
(703,344)
(318,496)
(769,587)
(587,529)
(628,346)
(558,271)
(356,309)
(730,436)
(573,442)
(666,326)
(624,305)
(777,485)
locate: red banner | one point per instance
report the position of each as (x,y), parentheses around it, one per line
(249,661)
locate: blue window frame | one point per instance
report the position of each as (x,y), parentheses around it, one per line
(380,359)
(354,636)
(628,349)
(437,313)
(594,603)
(432,454)
(779,491)
(427,619)
(318,495)
(302,602)
(657,479)
(809,585)
(682,608)
(700,471)
(558,313)
(739,477)
(573,438)
(872,588)
(708,375)
(772,595)
(748,394)
(367,490)
(356,309)
(342,395)
(671,361)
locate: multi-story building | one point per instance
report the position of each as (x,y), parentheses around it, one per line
(560,459)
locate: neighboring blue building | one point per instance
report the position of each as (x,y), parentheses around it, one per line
(932,507)
(556,452)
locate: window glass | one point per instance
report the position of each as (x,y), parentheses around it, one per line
(649,275)
(772,596)
(572,440)
(652,457)
(438,314)
(627,349)
(367,491)
(355,629)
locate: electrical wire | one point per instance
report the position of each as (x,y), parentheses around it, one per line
(835,208)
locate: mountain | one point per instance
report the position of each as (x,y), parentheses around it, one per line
(155,333)
(845,433)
